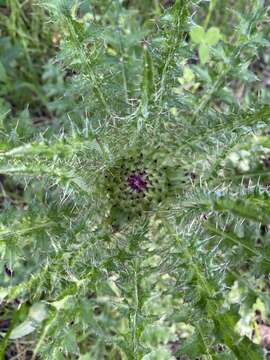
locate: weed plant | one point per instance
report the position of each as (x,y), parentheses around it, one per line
(135,172)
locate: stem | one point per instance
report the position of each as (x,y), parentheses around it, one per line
(210,11)
(43,335)
(122,59)
(136,309)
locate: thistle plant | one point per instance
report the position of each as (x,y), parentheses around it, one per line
(134,224)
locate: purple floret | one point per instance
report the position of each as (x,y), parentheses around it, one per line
(138,182)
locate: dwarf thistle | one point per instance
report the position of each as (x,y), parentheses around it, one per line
(141,231)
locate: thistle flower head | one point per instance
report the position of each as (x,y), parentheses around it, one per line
(140,182)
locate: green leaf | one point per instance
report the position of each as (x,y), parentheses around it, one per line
(188,74)
(85,357)
(249,351)
(204,54)
(148,83)
(192,347)
(158,354)
(197,34)
(70,343)
(3,74)
(25,328)
(37,313)
(213,36)
(254,207)
(3,294)
(225,356)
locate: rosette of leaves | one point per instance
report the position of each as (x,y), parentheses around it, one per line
(142,181)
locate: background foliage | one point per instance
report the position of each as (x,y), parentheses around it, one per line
(86,86)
